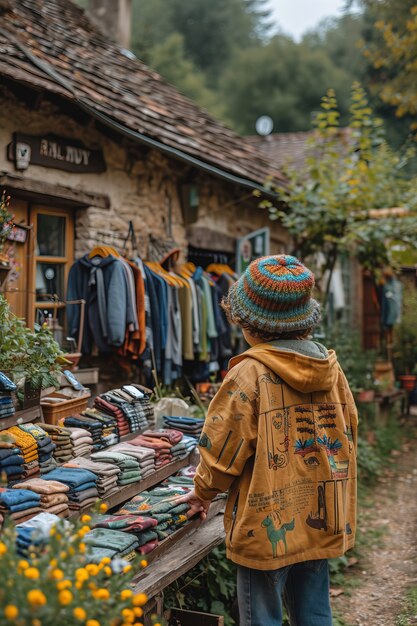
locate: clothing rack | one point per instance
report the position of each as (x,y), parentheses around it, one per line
(203,257)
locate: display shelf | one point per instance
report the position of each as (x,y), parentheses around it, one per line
(175,561)
(32,414)
(127,492)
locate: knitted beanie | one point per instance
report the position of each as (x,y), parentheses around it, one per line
(274,295)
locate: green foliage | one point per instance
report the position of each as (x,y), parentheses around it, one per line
(208,587)
(33,355)
(358,364)
(346,177)
(6,219)
(409,610)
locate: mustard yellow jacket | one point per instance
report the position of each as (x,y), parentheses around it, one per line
(280,436)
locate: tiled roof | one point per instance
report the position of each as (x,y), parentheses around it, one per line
(103,76)
(288,149)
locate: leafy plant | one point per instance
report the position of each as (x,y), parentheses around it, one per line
(405,335)
(357,364)
(332,200)
(33,355)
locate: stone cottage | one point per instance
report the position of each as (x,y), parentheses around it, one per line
(96,146)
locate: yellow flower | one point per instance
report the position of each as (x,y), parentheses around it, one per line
(59,537)
(85,519)
(103,507)
(32,573)
(65,597)
(11,611)
(63,555)
(71,551)
(140,599)
(23,564)
(83,531)
(138,611)
(108,570)
(79,584)
(36,597)
(105,560)
(101,594)
(127,568)
(92,622)
(3,548)
(57,574)
(79,613)
(144,563)
(92,586)
(81,548)
(53,563)
(52,531)
(63,584)
(36,622)
(128,616)
(125,594)
(92,569)
(81,574)
(138,624)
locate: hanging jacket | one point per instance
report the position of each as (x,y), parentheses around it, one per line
(281,437)
(102,283)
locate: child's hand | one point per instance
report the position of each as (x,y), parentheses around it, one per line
(196,505)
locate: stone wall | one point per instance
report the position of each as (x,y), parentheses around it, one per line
(142,185)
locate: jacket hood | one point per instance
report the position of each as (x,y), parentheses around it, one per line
(297,367)
(97,261)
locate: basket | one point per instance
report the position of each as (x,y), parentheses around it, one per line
(53,412)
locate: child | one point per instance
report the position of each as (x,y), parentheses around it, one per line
(280,438)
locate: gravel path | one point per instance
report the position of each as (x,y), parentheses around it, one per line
(387,569)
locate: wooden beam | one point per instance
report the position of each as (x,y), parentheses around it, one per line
(53,194)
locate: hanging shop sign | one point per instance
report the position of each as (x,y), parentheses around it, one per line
(250,247)
(60,153)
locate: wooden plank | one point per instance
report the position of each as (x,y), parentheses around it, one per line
(174,563)
(129,491)
(22,417)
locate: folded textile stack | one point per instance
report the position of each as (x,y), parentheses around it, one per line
(35,532)
(82,485)
(130,468)
(6,405)
(184,447)
(132,413)
(19,504)
(107,475)
(161,446)
(29,451)
(82,442)
(6,402)
(142,527)
(109,433)
(144,456)
(161,504)
(12,464)
(111,543)
(45,445)
(93,426)
(53,494)
(191,426)
(61,437)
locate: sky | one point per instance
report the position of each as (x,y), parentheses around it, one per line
(294,17)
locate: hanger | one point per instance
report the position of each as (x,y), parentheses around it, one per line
(103,251)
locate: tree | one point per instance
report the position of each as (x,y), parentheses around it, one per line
(282,79)
(333,201)
(393,54)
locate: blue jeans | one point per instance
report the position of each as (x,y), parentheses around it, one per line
(303,586)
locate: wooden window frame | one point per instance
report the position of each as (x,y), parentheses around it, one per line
(66,261)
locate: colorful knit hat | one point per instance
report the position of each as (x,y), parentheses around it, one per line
(274,295)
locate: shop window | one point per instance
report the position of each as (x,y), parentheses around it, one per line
(52,255)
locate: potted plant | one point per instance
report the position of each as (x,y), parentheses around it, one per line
(6,226)
(32,359)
